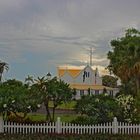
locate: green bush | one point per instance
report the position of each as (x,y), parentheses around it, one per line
(99,108)
(84,120)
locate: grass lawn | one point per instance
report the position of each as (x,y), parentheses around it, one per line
(64,117)
(69,105)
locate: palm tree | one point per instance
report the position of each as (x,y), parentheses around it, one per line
(41,83)
(29,80)
(3,66)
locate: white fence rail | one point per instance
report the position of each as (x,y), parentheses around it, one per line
(58,127)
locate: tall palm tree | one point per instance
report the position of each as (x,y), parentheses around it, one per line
(3,66)
(41,82)
(29,80)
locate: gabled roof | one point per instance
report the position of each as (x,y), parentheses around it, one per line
(72,72)
(61,72)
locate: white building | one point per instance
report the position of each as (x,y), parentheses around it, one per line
(85,81)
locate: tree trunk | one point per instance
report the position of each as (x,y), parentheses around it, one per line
(4,114)
(0,77)
(48,115)
(138,85)
(54,112)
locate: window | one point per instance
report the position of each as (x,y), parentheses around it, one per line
(111,93)
(81,92)
(91,92)
(85,75)
(88,74)
(88,91)
(96,92)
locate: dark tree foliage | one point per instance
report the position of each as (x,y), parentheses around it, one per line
(97,108)
(109,81)
(53,90)
(16,98)
(125,58)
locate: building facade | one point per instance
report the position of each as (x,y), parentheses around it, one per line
(85,81)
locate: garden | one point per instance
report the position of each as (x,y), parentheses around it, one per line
(20,101)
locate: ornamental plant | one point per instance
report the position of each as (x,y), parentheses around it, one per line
(18,99)
(128,110)
(97,108)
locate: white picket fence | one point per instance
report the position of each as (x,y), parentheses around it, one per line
(58,127)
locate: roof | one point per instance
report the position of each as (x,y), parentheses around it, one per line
(72,72)
(86,87)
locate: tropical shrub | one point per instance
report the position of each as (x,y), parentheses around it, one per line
(103,108)
(18,99)
(127,108)
(55,91)
(98,108)
(82,120)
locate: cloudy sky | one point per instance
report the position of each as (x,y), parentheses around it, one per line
(37,36)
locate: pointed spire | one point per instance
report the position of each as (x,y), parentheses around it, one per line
(90,62)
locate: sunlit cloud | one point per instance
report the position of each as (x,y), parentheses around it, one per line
(38,36)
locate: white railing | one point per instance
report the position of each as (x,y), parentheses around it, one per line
(58,127)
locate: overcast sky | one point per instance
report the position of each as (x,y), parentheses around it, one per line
(37,36)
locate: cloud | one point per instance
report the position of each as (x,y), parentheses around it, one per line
(61,32)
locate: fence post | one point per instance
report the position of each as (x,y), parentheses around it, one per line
(1,124)
(115,125)
(58,126)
